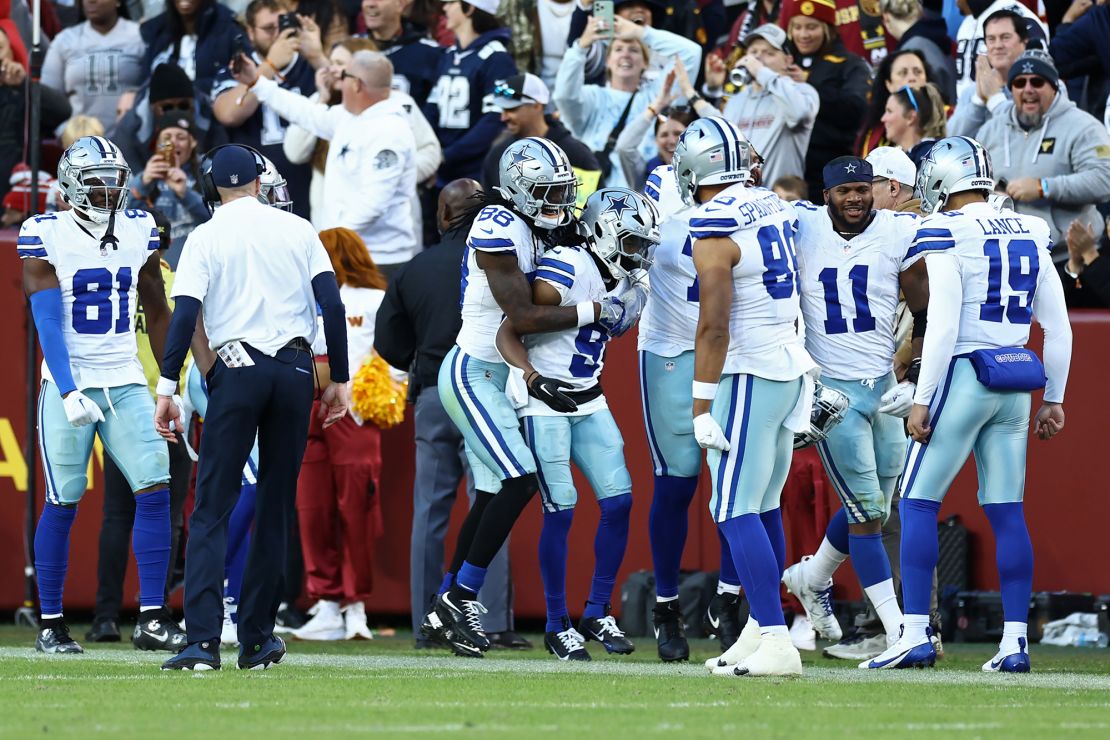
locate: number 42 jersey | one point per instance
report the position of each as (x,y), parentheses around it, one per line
(98,289)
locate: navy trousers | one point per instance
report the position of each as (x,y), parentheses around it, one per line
(273,397)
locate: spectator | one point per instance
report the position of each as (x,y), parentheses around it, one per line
(914,120)
(900,69)
(969,37)
(79,126)
(1085,275)
(460,107)
(519,17)
(597,115)
(96,60)
(773,111)
(640,12)
(553,19)
(1004,37)
(893,178)
(521,99)
(169,91)
(840,78)
(339,487)
(753,16)
(200,36)
(370,179)
(908,23)
(1081,48)
(668,123)
(292,57)
(328,20)
(170,181)
(415,57)
(1053,157)
(791,188)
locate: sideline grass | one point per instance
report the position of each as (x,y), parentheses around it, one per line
(385,687)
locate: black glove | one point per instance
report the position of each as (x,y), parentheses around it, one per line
(549,390)
(914,370)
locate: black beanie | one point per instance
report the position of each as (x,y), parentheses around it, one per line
(170,81)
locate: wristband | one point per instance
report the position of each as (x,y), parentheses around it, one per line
(654,113)
(1044,187)
(585,313)
(704,391)
(166,387)
(277,73)
(693,100)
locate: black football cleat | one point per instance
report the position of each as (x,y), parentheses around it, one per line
(566,644)
(722,619)
(103,630)
(289,618)
(156,630)
(508,640)
(670,633)
(261,656)
(460,621)
(54,639)
(605,630)
(200,656)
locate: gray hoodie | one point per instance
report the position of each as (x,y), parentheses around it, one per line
(1070,150)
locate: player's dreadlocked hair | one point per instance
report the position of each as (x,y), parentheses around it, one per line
(566,235)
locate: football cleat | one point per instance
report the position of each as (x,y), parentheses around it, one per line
(938,644)
(1005,662)
(270,651)
(606,631)
(103,630)
(816,601)
(461,623)
(326,623)
(229,632)
(508,640)
(802,634)
(670,633)
(722,619)
(857,646)
(156,630)
(775,656)
(54,639)
(744,646)
(200,656)
(566,645)
(289,619)
(354,619)
(905,654)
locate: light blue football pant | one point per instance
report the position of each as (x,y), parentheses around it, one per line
(863,454)
(473,394)
(748,479)
(592,441)
(127,433)
(197,389)
(668,413)
(967,417)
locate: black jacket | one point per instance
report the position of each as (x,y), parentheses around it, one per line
(1092,288)
(54,110)
(419,317)
(415,57)
(580,155)
(217,30)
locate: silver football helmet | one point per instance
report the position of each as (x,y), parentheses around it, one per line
(711,151)
(954,165)
(536,177)
(621,227)
(273,189)
(829,406)
(92,177)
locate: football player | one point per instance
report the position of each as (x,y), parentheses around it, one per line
(619,228)
(852,260)
(509,231)
(752,388)
(666,346)
(82,270)
(990,272)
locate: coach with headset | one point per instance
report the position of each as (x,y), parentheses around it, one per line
(259,273)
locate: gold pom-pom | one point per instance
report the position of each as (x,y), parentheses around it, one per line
(376,396)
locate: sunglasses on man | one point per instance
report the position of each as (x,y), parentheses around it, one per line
(1036,83)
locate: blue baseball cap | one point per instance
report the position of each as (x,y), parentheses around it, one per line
(234,166)
(847,169)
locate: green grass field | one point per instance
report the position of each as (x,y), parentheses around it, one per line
(385,687)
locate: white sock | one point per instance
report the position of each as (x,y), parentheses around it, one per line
(886,605)
(727,588)
(148,608)
(51,616)
(665,599)
(1011,631)
(778,629)
(820,568)
(752,623)
(915,626)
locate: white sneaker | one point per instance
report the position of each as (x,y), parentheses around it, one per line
(1009,660)
(229,633)
(326,623)
(741,649)
(776,656)
(354,617)
(816,601)
(859,647)
(802,633)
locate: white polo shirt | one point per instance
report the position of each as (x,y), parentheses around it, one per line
(252,267)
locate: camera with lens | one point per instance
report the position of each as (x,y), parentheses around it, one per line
(739,76)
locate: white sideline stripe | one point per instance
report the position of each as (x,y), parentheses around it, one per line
(46,666)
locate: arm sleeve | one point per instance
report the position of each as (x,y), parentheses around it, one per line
(46,309)
(969,116)
(945,301)
(1052,314)
(299,143)
(429,153)
(628,148)
(182,324)
(573,97)
(314,117)
(578,20)
(798,102)
(394,335)
(1089,181)
(326,292)
(667,45)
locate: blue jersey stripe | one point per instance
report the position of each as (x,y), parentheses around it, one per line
(933,234)
(709,223)
(31,252)
(557,264)
(554,277)
(492,244)
(27,241)
(930,246)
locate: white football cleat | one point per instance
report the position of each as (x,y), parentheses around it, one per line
(816,601)
(858,647)
(905,654)
(354,617)
(326,623)
(1010,662)
(776,656)
(742,648)
(802,633)
(229,633)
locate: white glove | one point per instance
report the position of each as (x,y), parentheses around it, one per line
(183,423)
(898,400)
(709,434)
(80,410)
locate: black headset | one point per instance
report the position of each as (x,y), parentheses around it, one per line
(208,185)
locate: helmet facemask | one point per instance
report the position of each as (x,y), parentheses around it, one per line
(536,176)
(99,191)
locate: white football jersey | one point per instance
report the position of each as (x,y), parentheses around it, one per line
(662,188)
(1003,256)
(576,355)
(850,290)
(763,335)
(99,291)
(496,230)
(361,308)
(670,317)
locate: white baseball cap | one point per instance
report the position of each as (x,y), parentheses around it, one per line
(520,90)
(893,164)
(490,6)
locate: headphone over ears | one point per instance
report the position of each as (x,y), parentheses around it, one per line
(208,186)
